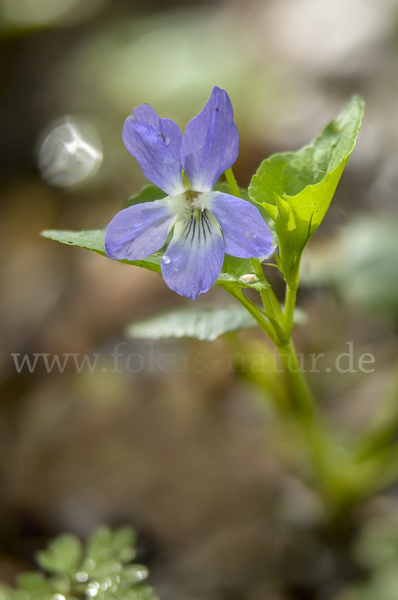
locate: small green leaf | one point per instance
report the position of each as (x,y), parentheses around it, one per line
(107,551)
(35,587)
(118,545)
(296,188)
(203,324)
(63,554)
(103,573)
(133,574)
(123,541)
(99,545)
(107,575)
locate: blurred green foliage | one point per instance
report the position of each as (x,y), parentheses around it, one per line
(361,265)
(102,569)
(376,550)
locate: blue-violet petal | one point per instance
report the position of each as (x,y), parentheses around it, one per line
(138,231)
(245,232)
(195,255)
(156,144)
(211,142)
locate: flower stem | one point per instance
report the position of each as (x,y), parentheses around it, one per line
(278,326)
(290,303)
(270,302)
(233,186)
(255,312)
(304,403)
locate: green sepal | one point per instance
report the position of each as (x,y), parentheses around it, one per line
(149,193)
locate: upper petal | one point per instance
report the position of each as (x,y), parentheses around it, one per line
(156,144)
(245,232)
(211,142)
(138,231)
(195,255)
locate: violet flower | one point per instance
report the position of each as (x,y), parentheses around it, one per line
(207,225)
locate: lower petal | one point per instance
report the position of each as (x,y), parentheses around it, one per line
(138,231)
(245,232)
(195,255)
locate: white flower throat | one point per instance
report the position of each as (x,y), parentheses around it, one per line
(190,201)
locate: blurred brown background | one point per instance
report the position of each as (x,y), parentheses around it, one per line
(189,459)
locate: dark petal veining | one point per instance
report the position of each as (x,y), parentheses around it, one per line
(245,232)
(195,255)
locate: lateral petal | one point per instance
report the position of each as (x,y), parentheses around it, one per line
(138,231)
(246,234)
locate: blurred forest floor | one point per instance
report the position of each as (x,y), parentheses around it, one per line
(191,459)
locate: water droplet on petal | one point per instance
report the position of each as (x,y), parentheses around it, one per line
(166,260)
(167,141)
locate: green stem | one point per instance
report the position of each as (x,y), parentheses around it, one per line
(255,312)
(335,483)
(233,186)
(270,302)
(304,400)
(290,303)
(278,327)
(304,404)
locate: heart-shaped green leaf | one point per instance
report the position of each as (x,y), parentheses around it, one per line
(296,188)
